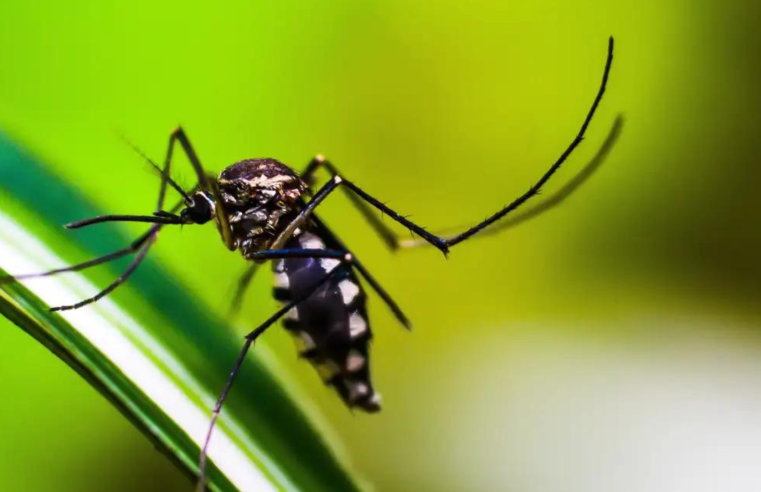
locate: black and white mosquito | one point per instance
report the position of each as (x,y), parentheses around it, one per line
(265,210)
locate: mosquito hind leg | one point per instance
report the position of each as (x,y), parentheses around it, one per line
(385,233)
(443,243)
(551,201)
(384,295)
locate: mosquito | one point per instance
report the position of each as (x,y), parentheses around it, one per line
(266,211)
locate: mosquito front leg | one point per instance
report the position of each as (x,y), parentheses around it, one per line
(160,218)
(178,135)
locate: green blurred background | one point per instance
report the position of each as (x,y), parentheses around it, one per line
(612,344)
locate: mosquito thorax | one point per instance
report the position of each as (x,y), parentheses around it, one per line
(260,197)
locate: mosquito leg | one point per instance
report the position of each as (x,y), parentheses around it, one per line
(122,278)
(551,201)
(240,290)
(341,254)
(178,135)
(392,305)
(246,278)
(132,248)
(331,186)
(538,185)
(159,218)
(314,165)
(250,338)
(144,242)
(276,254)
(443,244)
(386,234)
(135,246)
(206,183)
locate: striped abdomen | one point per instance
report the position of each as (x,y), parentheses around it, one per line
(330,327)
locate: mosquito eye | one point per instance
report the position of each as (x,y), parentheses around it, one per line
(202,209)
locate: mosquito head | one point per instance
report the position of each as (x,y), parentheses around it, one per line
(200,210)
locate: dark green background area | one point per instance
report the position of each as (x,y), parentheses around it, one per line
(447,110)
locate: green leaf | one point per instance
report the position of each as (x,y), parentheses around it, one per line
(160,356)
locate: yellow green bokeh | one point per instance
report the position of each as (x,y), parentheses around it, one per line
(448,110)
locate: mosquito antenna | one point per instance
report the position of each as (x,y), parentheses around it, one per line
(172,183)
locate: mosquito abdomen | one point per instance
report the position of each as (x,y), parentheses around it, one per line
(330,327)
